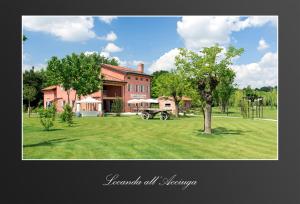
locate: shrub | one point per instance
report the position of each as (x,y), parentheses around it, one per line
(117,106)
(47,117)
(67,115)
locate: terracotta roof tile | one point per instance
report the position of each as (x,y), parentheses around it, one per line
(49,88)
(123,69)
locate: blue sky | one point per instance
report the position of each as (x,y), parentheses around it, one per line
(153,41)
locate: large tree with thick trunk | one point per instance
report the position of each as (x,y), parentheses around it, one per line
(205,69)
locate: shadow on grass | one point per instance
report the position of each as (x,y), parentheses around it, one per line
(221,131)
(52,129)
(50,142)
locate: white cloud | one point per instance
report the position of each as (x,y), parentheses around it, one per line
(262,45)
(121,62)
(109,37)
(203,31)
(165,62)
(66,28)
(258,74)
(90,52)
(107,19)
(111,47)
(105,54)
(256,21)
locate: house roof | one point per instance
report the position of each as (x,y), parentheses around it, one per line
(124,70)
(111,78)
(49,88)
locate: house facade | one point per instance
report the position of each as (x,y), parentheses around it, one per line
(119,82)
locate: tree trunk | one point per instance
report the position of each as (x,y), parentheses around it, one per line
(207,121)
(223,107)
(176,109)
(203,113)
(28,109)
(68,93)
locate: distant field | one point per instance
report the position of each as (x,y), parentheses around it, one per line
(134,138)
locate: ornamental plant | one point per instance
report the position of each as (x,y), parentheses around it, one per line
(67,115)
(47,117)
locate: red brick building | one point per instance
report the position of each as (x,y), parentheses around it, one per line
(119,82)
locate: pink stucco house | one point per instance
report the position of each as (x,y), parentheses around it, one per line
(119,82)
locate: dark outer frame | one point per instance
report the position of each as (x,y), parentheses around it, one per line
(220,182)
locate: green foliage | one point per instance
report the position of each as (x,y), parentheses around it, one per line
(225,88)
(117,106)
(154,87)
(67,115)
(36,79)
(244,108)
(47,117)
(175,85)
(206,70)
(79,72)
(29,93)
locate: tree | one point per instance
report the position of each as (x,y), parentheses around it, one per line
(174,85)
(60,72)
(36,79)
(87,73)
(206,69)
(47,117)
(67,115)
(154,87)
(117,106)
(225,88)
(78,72)
(29,93)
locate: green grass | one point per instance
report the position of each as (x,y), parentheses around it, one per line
(134,138)
(268,112)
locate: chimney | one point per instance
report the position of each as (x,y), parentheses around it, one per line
(140,67)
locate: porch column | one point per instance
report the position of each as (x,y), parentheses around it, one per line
(100,108)
(78,107)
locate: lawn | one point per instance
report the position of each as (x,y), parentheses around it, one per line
(133,138)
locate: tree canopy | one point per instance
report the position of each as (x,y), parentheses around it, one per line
(206,69)
(174,85)
(79,72)
(154,87)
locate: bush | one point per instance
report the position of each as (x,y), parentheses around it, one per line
(47,117)
(117,106)
(67,115)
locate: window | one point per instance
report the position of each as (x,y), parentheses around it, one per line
(141,79)
(128,77)
(146,79)
(167,105)
(62,103)
(136,78)
(129,87)
(136,88)
(142,88)
(146,89)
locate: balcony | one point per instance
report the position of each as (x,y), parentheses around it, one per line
(112,91)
